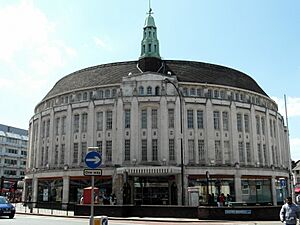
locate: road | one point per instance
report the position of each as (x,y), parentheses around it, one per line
(21,219)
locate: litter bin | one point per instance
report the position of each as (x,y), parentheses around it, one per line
(100,220)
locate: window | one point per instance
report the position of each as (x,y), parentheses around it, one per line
(260,155)
(57,126)
(99,145)
(185,91)
(171,150)
(62,154)
(199,119)
(127,150)
(190,119)
(114,93)
(216,94)
(107,93)
(63,125)
(201,151)
(271,129)
(46,155)
(241,152)
(227,155)
(85,96)
(274,127)
(217,120)
(75,153)
(218,152)
(154,150)
(144,119)
(48,128)
(222,94)
(83,150)
(56,155)
(76,123)
(192,92)
(171,118)
(157,91)
(246,122)
(200,92)
(149,90)
(239,122)
(43,129)
(265,154)
(191,149)
(108,120)
(99,121)
(225,121)
(154,118)
(248,152)
(127,118)
(263,129)
(84,117)
(144,150)
(149,47)
(108,151)
(100,94)
(141,90)
(257,125)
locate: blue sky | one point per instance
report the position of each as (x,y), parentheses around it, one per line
(43,40)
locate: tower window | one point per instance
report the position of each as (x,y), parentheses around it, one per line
(144,48)
(154,48)
(149,48)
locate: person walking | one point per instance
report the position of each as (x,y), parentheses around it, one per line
(289,212)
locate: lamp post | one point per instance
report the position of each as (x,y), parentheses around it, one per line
(167,80)
(207,186)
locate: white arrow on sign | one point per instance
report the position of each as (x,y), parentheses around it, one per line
(96,160)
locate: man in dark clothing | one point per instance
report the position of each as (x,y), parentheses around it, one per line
(289,212)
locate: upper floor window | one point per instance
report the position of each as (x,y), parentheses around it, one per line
(185,91)
(192,92)
(171,118)
(114,93)
(200,92)
(217,120)
(108,120)
(48,128)
(257,124)
(154,118)
(216,94)
(99,121)
(157,92)
(76,123)
(190,119)
(144,119)
(225,121)
(57,126)
(149,90)
(127,118)
(263,125)
(141,90)
(63,125)
(100,94)
(239,122)
(107,93)
(84,117)
(199,119)
(246,122)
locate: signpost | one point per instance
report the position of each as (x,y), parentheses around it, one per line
(92,160)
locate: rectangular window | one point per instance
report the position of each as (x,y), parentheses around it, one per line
(56,155)
(201,151)
(76,123)
(75,153)
(154,150)
(241,152)
(43,129)
(63,125)
(263,125)
(246,122)
(218,152)
(171,150)
(108,120)
(99,121)
(225,121)
(99,145)
(42,156)
(227,155)
(83,150)
(144,119)
(57,126)
(190,119)
(144,150)
(257,125)
(171,118)
(217,120)
(265,154)
(48,128)
(239,122)
(274,128)
(154,118)
(199,119)
(84,118)
(62,154)
(260,155)
(127,118)
(108,151)
(248,152)
(191,149)
(271,129)
(46,155)
(127,150)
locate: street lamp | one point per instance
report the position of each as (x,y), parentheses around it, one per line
(167,80)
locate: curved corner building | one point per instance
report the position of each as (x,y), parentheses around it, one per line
(147,117)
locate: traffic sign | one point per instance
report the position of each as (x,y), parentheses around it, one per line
(92,172)
(93,159)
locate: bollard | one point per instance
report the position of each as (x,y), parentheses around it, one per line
(100,220)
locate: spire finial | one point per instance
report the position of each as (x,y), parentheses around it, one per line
(150,10)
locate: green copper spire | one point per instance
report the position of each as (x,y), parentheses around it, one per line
(150,44)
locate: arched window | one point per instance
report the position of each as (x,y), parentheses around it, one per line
(100,94)
(192,92)
(141,90)
(114,92)
(157,90)
(149,90)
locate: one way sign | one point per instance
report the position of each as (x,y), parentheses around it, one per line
(93,159)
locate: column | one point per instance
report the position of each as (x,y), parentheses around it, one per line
(210,134)
(273,190)
(34,189)
(238,187)
(66,188)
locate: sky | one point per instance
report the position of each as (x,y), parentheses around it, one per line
(41,41)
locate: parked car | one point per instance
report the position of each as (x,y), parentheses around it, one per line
(6,208)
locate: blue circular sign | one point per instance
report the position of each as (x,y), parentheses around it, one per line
(93,159)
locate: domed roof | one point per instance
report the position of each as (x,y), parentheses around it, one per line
(186,71)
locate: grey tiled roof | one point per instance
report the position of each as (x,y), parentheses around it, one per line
(186,71)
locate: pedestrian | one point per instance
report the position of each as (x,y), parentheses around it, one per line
(289,212)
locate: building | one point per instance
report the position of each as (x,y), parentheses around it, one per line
(13,152)
(148,116)
(296,175)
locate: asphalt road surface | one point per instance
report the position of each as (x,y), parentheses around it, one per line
(21,219)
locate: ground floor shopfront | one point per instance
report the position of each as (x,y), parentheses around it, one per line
(160,186)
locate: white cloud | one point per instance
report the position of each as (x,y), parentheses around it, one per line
(293,106)
(100,43)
